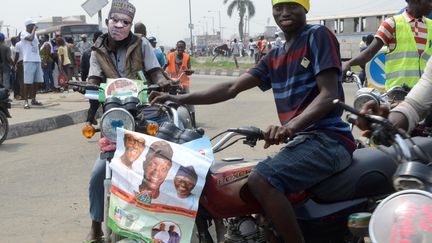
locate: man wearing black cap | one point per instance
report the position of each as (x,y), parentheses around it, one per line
(118,53)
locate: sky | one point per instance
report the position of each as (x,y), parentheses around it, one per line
(168,20)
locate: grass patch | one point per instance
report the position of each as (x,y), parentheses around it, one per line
(219,63)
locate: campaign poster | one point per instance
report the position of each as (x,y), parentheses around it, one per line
(156,186)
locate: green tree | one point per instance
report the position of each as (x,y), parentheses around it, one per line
(242,7)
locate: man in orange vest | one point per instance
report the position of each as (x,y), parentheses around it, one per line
(178,62)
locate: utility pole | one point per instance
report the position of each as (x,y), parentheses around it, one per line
(191,27)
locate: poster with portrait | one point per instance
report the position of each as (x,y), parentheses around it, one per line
(156,186)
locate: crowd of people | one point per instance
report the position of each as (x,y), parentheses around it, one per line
(31,65)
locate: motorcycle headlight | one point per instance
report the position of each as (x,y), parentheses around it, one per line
(403,217)
(114,118)
(364,95)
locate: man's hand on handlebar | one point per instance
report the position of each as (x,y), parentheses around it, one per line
(371,108)
(160,98)
(277,135)
(165,84)
(346,67)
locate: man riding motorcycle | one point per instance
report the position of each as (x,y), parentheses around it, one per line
(305,75)
(118,53)
(408,38)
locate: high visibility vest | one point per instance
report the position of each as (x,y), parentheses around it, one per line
(404,65)
(173,72)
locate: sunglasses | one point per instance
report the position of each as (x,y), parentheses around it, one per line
(125,23)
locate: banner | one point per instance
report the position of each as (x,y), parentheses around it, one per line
(156,186)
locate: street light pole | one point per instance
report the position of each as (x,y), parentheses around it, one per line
(220,25)
(191,26)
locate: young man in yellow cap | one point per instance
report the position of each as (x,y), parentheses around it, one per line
(305,76)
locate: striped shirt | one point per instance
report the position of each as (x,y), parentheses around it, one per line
(387,31)
(292,77)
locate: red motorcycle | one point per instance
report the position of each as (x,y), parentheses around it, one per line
(322,211)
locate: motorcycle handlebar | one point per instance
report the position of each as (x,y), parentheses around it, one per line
(85,85)
(252,132)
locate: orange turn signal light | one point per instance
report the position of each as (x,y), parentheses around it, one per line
(88,131)
(152,129)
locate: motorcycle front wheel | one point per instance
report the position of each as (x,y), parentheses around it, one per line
(4,127)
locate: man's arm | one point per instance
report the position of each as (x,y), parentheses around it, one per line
(366,55)
(417,104)
(32,34)
(218,93)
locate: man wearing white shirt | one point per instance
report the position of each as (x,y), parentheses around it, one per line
(32,63)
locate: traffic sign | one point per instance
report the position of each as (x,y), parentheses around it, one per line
(375,71)
(93,6)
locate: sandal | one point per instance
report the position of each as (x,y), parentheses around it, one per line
(35,102)
(26,106)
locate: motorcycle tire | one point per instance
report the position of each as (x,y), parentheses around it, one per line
(4,127)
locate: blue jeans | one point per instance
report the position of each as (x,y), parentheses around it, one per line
(305,161)
(96,190)
(48,76)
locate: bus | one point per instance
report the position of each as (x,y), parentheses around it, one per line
(70,30)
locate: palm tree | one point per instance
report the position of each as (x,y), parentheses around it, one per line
(242,6)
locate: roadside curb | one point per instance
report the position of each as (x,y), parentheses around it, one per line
(46,124)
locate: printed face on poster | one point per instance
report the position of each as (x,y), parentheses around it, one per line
(157,181)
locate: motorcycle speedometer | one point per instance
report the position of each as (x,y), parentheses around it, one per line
(113,119)
(403,217)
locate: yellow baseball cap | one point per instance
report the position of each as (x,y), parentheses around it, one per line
(304,3)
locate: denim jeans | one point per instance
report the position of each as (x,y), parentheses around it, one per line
(48,76)
(96,190)
(305,161)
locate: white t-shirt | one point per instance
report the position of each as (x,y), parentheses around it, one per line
(18,50)
(30,49)
(163,236)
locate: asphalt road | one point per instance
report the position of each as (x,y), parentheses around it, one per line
(44,177)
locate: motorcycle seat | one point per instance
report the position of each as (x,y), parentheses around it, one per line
(370,174)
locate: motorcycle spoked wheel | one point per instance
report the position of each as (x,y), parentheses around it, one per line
(4,127)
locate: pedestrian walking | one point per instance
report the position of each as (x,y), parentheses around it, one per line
(235,50)
(32,63)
